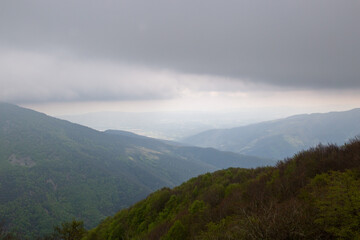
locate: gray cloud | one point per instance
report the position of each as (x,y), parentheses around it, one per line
(31,77)
(297,44)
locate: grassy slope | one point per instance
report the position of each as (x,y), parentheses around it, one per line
(314,195)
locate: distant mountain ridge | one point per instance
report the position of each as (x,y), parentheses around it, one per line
(52,170)
(284,137)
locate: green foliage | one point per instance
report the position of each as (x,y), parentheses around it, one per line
(197,206)
(338,202)
(73,230)
(214,194)
(315,195)
(5,234)
(176,232)
(53,171)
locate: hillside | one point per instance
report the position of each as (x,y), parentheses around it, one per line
(314,195)
(52,170)
(282,138)
(211,157)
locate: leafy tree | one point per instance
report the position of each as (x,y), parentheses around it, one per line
(5,234)
(73,230)
(197,206)
(176,232)
(338,201)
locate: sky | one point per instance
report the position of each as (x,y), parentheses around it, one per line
(71,57)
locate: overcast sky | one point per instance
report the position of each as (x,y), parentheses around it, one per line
(159,55)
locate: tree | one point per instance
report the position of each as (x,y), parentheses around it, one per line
(338,203)
(5,234)
(73,230)
(176,232)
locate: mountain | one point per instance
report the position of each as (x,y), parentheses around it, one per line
(282,138)
(314,195)
(52,170)
(209,156)
(168,125)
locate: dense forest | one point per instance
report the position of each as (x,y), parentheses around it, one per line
(314,195)
(52,170)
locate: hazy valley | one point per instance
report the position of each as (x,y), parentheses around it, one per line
(179,120)
(285,137)
(53,170)
(168,125)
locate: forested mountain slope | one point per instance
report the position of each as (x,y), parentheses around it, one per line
(52,170)
(284,137)
(209,156)
(314,195)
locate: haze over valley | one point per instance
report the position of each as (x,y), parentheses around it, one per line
(169,125)
(282,138)
(157,119)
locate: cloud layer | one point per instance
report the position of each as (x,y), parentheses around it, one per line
(298,44)
(31,77)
